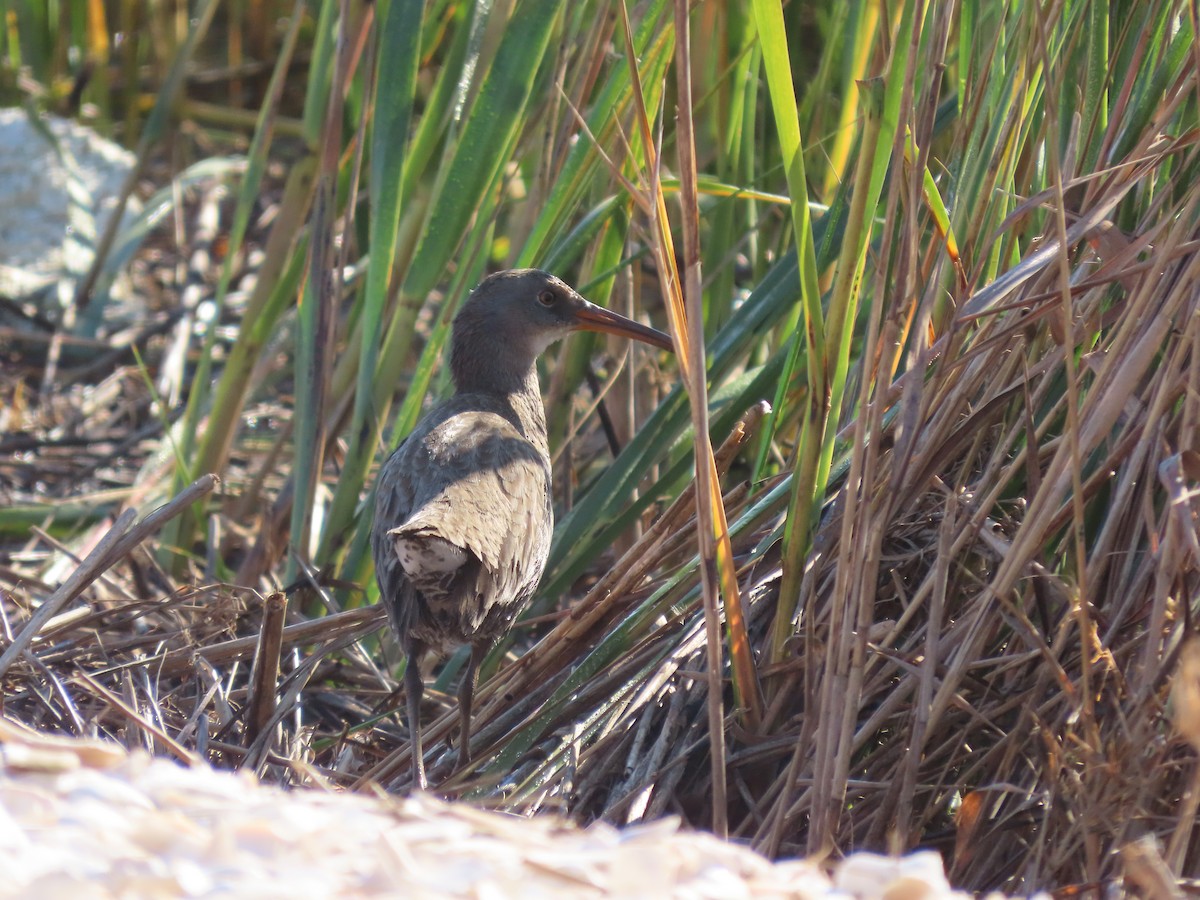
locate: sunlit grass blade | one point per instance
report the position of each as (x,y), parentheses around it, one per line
(777,65)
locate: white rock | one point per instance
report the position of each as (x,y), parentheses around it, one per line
(40,239)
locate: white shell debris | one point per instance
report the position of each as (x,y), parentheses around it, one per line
(84,819)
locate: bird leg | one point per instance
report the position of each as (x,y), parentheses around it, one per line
(414,686)
(466,696)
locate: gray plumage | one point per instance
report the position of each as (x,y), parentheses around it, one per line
(463,510)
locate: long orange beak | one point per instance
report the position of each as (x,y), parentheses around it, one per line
(591,317)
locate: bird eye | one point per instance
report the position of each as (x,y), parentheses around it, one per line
(546,298)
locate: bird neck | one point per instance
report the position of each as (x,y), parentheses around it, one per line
(492,373)
(488,355)
(527,404)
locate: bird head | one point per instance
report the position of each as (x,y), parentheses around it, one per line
(513,316)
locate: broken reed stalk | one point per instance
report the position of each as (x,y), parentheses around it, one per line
(264,676)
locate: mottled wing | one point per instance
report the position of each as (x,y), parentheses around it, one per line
(472,480)
(394,500)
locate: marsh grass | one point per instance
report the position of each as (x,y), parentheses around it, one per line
(948,566)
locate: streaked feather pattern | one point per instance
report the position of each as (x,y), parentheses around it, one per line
(475,475)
